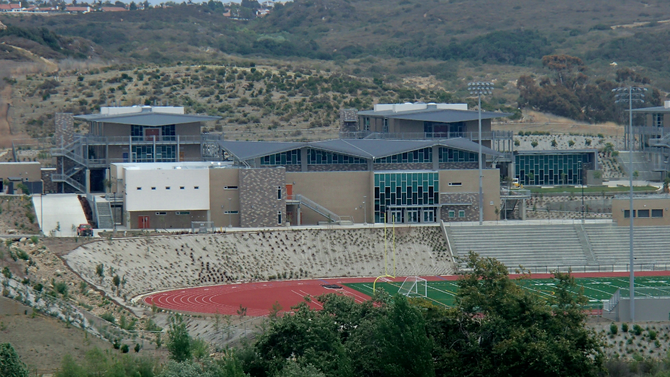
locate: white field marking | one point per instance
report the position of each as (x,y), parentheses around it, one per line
(311,298)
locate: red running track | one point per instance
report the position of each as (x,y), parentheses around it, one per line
(259,297)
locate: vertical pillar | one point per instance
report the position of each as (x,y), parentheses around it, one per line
(304,156)
(178,149)
(154,137)
(88,181)
(130,148)
(107,179)
(523,209)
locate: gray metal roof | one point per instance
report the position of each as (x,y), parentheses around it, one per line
(247,150)
(147,119)
(432,115)
(363,148)
(655,109)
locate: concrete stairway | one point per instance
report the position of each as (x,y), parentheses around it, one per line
(103,212)
(611,244)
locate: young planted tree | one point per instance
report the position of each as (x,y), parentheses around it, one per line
(10,363)
(179,341)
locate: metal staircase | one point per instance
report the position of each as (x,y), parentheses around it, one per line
(68,152)
(318,208)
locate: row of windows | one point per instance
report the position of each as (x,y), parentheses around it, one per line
(550,169)
(284,158)
(453,155)
(319,157)
(176,213)
(644,213)
(145,153)
(166,132)
(153,188)
(421,155)
(452,214)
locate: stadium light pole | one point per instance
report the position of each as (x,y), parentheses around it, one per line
(623,95)
(478,89)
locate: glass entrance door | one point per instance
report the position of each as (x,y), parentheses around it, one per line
(428,215)
(412,215)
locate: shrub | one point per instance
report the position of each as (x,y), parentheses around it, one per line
(554,143)
(624,327)
(534,144)
(571,143)
(22,255)
(652,335)
(613,329)
(125,348)
(60,287)
(637,330)
(6,272)
(109,317)
(38,287)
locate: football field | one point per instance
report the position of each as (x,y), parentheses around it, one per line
(595,289)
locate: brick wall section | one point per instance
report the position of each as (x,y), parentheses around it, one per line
(458,165)
(64,128)
(258,196)
(471,211)
(407,166)
(49,186)
(338,167)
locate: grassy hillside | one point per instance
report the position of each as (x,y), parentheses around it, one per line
(515,32)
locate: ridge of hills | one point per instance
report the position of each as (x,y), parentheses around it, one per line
(510,33)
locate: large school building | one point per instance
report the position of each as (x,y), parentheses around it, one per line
(301,183)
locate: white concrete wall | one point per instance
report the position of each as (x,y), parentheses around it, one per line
(162,199)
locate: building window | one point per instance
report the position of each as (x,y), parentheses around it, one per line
(386,125)
(455,183)
(643,213)
(452,214)
(153,188)
(461,213)
(626,214)
(183,213)
(557,169)
(230,187)
(319,157)
(278,192)
(421,155)
(231,212)
(656,213)
(455,155)
(658,120)
(139,188)
(167,187)
(285,158)
(404,189)
(196,187)
(366,123)
(181,187)
(278,217)
(161,213)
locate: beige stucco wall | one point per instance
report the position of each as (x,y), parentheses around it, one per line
(222,199)
(400,125)
(187,129)
(340,192)
(168,221)
(621,204)
(23,170)
(469,180)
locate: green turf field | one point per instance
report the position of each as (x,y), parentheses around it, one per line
(595,289)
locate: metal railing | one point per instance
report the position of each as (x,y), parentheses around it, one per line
(610,304)
(64,178)
(318,208)
(490,135)
(593,268)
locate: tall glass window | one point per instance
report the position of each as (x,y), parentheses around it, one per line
(284,158)
(455,155)
(167,133)
(405,189)
(145,153)
(319,157)
(561,169)
(420,155)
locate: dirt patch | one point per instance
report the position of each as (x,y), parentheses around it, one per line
(42,341)
(536,121)
(62,245)
(17,215)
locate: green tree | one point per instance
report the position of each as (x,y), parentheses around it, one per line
(499,329)
(10,363)
(179,341)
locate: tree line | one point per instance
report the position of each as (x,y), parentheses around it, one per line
(568,91)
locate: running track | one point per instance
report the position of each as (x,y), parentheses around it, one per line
(259,297)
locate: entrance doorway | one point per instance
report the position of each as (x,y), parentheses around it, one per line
(151,134)
(412,215)
(143,222)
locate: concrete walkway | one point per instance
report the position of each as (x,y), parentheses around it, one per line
(59,209)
